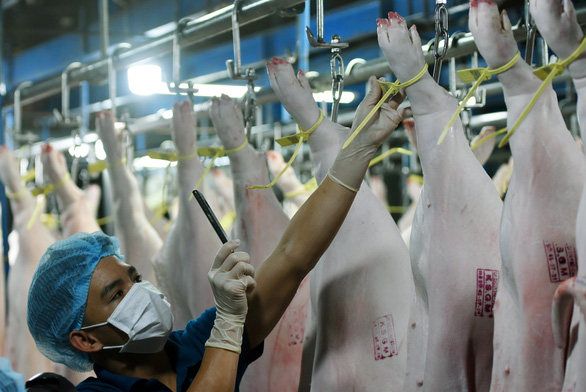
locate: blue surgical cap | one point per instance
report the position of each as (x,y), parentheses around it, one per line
(10,381)
(58,294)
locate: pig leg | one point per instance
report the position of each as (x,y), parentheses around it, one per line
(138,240)
(260,223)
(556,21)
(459,202)
(539,216)
(484,151)
(76,211)
(30,246)
(288,183)
(184,261)
(360,343)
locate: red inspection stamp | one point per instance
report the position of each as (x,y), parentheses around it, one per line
(487,281)
(383,335)
(561,261)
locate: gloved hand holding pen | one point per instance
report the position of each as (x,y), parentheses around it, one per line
(231,276)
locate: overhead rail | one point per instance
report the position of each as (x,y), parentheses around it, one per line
(460,45)
(195,31)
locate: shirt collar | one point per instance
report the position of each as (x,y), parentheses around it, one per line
(126,383)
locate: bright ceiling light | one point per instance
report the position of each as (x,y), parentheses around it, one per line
(145,79)
(347,97)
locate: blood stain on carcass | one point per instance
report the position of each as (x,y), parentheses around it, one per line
(296,328)
(486,286)
(383,336)
(561,261)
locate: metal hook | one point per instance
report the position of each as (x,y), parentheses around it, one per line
(177,62)
(441,30)
(65,91)
(531,34)
(337,72)
(319,41)
(112,73)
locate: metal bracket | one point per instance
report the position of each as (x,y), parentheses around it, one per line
(18,107)
(65,119)
(235,71)
(319,41)
(177,62)
(121,47)
(235,66)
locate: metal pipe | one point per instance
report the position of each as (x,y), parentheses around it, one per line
(198,30)
(320,20)
(104,27)
(3,199)
(112,74)
(65,90)
(18,106)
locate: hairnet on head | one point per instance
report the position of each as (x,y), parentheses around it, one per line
(58,294)
(10,381)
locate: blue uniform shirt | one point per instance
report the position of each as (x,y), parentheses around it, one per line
(185,349)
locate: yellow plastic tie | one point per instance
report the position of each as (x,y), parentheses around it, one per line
(44,191)
(480,142)
(416,178)
(17,195)
(105,220)
(228,219)
(477,75)
(396,209)
(51,221)
(288,141)
(391,151)
(309,186)
(159,212)
(551,71)
(389,89)
(171,156)
(100,166)
(218,152)
(29,175)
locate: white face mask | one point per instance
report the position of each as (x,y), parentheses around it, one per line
(145,316)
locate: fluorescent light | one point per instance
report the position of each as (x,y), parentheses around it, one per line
(79,151)
(347,97)
(167,114)
(99,149)
(204,90)
(144,79)
(161,30)
(147,163)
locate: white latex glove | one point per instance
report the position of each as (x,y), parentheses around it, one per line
(231,276)
(351,163)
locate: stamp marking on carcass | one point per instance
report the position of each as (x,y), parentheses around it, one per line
(486,286)
(561,261)
(383,335)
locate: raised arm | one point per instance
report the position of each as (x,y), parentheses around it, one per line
(316,223)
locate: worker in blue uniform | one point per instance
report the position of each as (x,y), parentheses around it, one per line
(89,310)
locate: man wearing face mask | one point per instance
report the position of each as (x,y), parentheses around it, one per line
(88,309)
